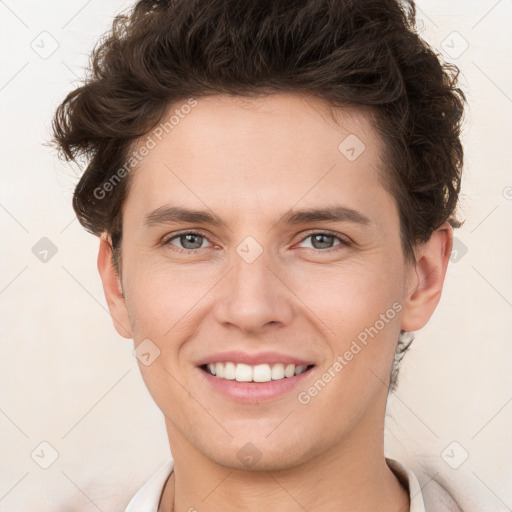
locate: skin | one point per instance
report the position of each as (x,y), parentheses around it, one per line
(250,162)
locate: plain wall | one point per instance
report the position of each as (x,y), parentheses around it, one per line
(68,379)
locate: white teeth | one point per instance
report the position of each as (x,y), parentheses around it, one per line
(300,369)
(277,371)
(257,373)
(243,372)
(289,370)
(261,373)
(229,371)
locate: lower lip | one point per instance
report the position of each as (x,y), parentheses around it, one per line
(254,392)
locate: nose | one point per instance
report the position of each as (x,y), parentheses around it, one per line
(253,295)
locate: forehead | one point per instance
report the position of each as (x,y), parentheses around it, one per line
(257,154)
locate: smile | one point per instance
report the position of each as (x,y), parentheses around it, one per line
(254,373)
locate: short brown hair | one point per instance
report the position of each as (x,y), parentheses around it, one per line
(347,52)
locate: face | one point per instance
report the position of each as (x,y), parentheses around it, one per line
(256,234)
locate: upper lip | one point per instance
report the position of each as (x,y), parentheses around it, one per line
(253,359)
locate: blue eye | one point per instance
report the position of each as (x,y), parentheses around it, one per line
(189,240)
(324,240)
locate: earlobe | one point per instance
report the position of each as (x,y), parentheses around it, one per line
(113,289)
(425,284)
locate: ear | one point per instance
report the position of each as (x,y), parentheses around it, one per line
(426,278)
(113,289)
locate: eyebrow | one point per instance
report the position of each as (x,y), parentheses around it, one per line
(170,214)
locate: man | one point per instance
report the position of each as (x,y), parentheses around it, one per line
(274,185)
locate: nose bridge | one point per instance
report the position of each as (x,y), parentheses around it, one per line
(251,279)
(252,295)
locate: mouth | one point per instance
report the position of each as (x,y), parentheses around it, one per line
(259,373)
(253,378)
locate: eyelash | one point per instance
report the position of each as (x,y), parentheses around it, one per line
(343,242)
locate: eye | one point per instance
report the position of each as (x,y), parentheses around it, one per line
(324,240)
(188,241)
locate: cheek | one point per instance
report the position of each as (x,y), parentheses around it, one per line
(361,307)
(347,300)
(159,299)
(159,304)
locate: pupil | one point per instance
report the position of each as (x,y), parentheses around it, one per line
(185,239)
(323,241)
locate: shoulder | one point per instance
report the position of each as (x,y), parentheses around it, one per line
(454,490)
(147,498)
(437,498)
(425,494)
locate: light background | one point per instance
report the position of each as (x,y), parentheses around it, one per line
(68,379)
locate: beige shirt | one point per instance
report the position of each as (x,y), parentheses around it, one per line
(148,497)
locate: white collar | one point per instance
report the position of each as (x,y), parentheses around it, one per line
(148,496)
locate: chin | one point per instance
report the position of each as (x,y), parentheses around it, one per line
(259,455)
